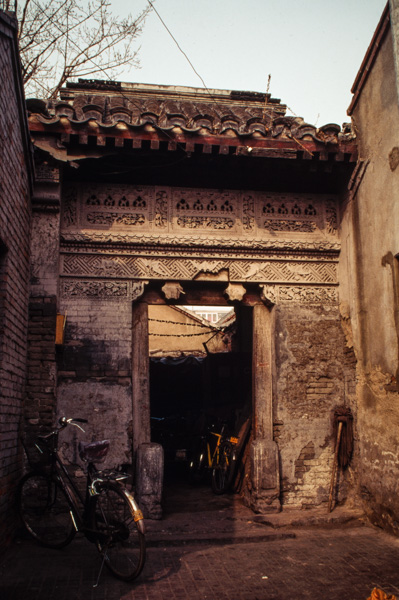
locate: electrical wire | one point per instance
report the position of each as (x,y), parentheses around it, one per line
(184,54)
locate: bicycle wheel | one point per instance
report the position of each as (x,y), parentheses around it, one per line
(197,466)
(223,471)
(118,536)
(44,510)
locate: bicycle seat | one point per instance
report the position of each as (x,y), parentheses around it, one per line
(93,451)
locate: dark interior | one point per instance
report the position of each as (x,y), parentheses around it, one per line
(191,396)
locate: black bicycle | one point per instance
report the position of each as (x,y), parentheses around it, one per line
(53,509)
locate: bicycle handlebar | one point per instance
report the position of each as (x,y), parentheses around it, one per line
(63,421)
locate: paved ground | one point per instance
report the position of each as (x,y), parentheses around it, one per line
(215,549)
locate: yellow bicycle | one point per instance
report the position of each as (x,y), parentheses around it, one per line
(218,457)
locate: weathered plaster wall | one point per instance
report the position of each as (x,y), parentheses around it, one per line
(315,375)
(94,375)
(15,221)
(369,287)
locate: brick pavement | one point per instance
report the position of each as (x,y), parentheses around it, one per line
(340,563)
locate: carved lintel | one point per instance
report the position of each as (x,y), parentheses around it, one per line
(138,289)
(172,290)
(268,295)
(235,291)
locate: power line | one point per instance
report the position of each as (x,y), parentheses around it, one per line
(177,44)
(184,54)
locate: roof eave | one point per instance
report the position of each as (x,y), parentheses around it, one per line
(369,59)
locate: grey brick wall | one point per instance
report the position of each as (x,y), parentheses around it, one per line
(15,222)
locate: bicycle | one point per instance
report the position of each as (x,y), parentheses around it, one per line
(221,461)
(53,509)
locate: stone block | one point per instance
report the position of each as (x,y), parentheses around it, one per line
(149,479)
(265,490)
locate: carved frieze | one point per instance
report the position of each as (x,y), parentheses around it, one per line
(94,289)
(180,212)
(102,289)
(284,294)
(131,290)
(183,268)
(117,237)
(192,241)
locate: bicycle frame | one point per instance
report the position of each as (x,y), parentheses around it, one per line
(213,459)
(59,472)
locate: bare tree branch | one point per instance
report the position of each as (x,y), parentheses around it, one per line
(64,39)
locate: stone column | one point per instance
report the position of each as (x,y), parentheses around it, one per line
(149,457)
(140,376)
(265,488)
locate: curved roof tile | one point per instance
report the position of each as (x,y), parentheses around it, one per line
(191,110)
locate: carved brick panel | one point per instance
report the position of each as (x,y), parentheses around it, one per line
(281,294)
(186,211)
(181,268)
(102,289)
(115,237)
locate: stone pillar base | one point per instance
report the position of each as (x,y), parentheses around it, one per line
(264,492)
(149,479)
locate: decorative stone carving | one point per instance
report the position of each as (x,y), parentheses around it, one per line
(248,210)
(114,218)
(137,289)
(177,212)
(235,291)
(69,213)
(114,205)
(130,233)
(205,222)
(277,245)
(281,225)
(268,295)
(172,290)
(283,271)
(161,209)
(331,217)
(94,289)
(185,268)
(279,294)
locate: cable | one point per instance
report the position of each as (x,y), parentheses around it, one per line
(184,54)
(177,44)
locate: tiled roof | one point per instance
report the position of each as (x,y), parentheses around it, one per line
(167,113)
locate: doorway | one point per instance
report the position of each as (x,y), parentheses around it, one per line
(237,384)
(200,379)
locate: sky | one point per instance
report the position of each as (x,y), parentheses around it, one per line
(312,49)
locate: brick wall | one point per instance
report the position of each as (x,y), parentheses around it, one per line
(315,375)
(41,377)
(15,222)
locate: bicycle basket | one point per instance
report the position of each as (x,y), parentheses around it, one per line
(37,453)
